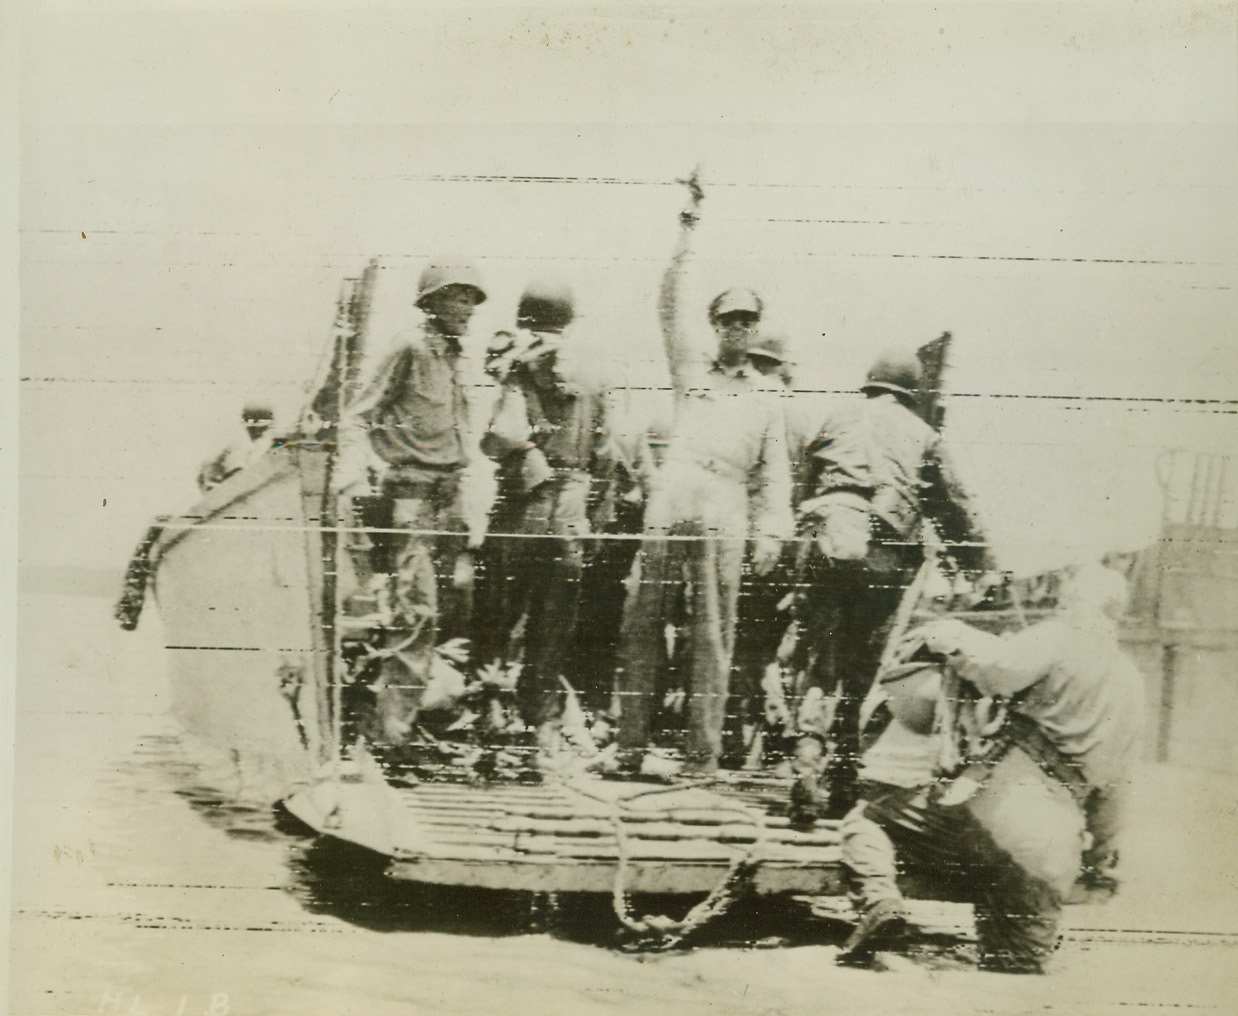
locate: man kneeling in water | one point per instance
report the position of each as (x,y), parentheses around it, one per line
(1009,827)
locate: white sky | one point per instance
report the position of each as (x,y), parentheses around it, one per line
(1057,184)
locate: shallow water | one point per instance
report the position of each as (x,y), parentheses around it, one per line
(142,885)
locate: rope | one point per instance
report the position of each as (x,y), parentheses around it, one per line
(662,931)
(133,594)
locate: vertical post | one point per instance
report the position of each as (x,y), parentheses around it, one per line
(348,344)
(328,514)
(1216,483)
(359,312)
(1164,724)
(1194,505)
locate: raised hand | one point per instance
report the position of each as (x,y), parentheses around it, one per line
(691,213)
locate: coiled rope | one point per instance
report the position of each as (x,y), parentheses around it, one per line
(659,931)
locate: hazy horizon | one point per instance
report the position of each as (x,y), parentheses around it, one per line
(1059,195)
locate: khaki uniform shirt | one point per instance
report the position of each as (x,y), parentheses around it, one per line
(1072,678)
(413,412)
(726,467)
(881,451)
(726,460)
(545,421)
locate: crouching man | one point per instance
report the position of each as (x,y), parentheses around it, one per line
(1011,826)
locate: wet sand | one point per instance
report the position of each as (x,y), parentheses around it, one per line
(142,886)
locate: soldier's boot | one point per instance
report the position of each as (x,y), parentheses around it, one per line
(641,766)
(621,764)
(881,926)
(548,755)
(809,799)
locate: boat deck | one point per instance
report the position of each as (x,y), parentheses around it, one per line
(578,834)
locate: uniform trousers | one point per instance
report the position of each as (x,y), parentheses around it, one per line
(603,592)
(1013,850)
(758,635)
(429,598)
(536,567)
(845,613)
(680,561)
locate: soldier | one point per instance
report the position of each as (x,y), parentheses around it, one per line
(257,418)
(409,432)
(603,589)
(762,623)
(725,476)
(1010,829)
(768,355)
(550,434)
(870,476)
(492,639)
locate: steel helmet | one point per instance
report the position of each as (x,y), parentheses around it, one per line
(545,306)
(257,411)
(438,276)
(894,371)
(912,690)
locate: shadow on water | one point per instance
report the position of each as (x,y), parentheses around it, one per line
(162,763)
(341,880)
(240,820)
(349,882)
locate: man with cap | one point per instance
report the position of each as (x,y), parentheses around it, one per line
(768,355)
(408,434)
(257,418)
(550,436)
(870,476)
(725,477)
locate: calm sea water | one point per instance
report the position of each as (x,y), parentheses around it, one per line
(143,885)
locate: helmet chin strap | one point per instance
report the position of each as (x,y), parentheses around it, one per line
(728,356)
(437,325)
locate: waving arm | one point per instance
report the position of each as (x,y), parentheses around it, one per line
(669,297)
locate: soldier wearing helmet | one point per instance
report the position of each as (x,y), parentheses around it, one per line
(1009,815)
(734,315)
(725,479)
(897,372)
(447,295)
(257,418)
(871,475)
(408,437)
(550,436)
